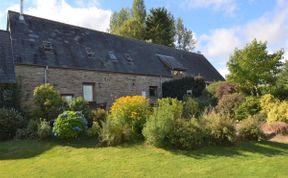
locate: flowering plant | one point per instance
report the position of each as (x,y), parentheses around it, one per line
(70,125)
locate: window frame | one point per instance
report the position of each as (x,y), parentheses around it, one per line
(153,88)
(93,90)
(67,94)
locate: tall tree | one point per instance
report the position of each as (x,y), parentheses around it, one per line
(282,78)
(160,27)
(130,23)
(118,19)
(253,68)
(184,38)
(139,10)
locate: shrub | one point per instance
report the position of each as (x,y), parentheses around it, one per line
(79,104)
(249,107)
(228,103)
(69,125)
(99,116)
(131,111)
(161,122)
(275,128)
(278,112)
(213,87)
(44,130)
(190,108)
(225,88)
(48,101)
(94,131)
(178,88)
(30,132)
(114,134)
(10,96)
(220,129)
(187,135)
(274,109)
(10,121)
(249,129)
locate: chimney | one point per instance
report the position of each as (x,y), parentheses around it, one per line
(21,17)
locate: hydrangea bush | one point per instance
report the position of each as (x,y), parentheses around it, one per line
(70,125)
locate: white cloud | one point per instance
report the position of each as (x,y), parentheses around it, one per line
(89,16)
(227,6)
(272,27)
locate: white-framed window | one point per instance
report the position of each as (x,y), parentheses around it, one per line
(67,97)
(88,92)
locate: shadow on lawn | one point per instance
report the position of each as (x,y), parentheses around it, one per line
(264,148)
(22,149)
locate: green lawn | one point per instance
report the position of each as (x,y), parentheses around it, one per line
(85,159)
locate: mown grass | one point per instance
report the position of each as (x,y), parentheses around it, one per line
(84,158)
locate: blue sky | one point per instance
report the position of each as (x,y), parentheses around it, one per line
(219,25)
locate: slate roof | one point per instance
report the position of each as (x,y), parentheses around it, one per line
(7,71)
(81,48)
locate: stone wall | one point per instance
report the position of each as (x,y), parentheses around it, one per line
(107,86)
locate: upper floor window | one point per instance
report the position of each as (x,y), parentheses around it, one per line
(47,46)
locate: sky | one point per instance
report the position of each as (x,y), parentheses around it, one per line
(219,26)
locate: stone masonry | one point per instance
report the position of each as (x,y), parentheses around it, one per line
(107,86)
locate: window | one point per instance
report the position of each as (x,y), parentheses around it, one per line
(88,92)
(112,55)
(128,57)
(90,53)
(67,97)
(47,46)
(153,91)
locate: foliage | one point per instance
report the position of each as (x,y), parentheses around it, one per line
(114,134)
(70,125)
(184,38)
(274,109)
(10,96)
(44,130)
(131,111)
(190,108)
(253,67)
(162,121)
(48,101)
(94,131)
(225,88)
(249,129)
(160,28)
(213,87)
(130,23)
(10,121)
(79,104)
(99,115)
(30,132)
(249,107)
(187,135)
(275,128)
(206,100)
(282,78)
(229,103)
(178,88)
(220,129)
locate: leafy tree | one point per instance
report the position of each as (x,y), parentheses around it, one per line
(160,28)
(130,23)
(184,38)
(252,68)
(117,20)
(139,10)
(282,79)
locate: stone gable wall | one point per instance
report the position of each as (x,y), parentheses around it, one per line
(108,86)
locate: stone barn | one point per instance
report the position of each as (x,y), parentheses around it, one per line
(83,62)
